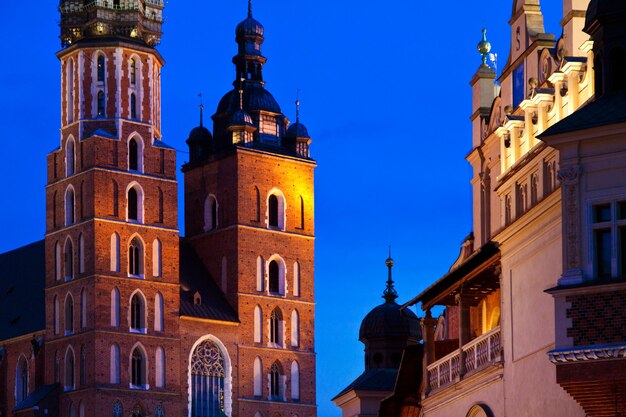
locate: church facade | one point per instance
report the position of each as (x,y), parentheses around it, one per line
(125,317)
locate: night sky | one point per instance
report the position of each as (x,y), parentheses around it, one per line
(385,96)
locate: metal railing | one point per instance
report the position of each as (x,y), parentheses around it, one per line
(476,355)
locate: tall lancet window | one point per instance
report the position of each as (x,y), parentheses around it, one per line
(207,380)
(133,106)
(101,68)
(101,103)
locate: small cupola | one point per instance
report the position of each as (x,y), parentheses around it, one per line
(200,141)
(297,137)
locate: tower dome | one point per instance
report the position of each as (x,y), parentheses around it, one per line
(600,9)
(199,141)
(386,330)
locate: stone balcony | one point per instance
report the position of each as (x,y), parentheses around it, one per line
(481,353)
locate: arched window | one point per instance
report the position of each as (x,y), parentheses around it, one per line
(69,260)
(296,279)
(133,71)
(101,69)
(57,367)
(257,201)
(83,366)
(81,409)
(260,273)
(210,213)
(81,254)
(158,313)
(160,367)
(56,314)
(70,90)
(276,276)
(115,307)
(72,412)
(135,258)
(21,380)
(258,377)
(138,369)
(81,201)
(273,211)
(276,327)
(295,328)
(295,381)
(160,219)
(209,393)
(276,210)
(133,212)
(258,325)
(70,218)
(276,392)
(101,104)
(69,314)
(117,410)
(57,261)
(137,313)
(83,308)
(54,208)
(115,252)
(224,274)
(70,157)
(134,154)
(114,373)
(158,411)
(156,258)
(133,106)
(69,370)
(301,212)
(115,194)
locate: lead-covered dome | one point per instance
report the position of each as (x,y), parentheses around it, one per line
(387,321)
(297,130)
(249,27)
(255,98)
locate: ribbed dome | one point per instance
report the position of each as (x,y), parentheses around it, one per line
(255,98)
(599,9)
(297,130)
(386,321)
(249,27)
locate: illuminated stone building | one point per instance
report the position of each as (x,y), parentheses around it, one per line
(533,320)
(126,318)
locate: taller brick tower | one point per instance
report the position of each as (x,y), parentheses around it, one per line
(112,295)
(249,217)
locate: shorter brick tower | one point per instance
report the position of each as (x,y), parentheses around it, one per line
(112,236)
(249,217)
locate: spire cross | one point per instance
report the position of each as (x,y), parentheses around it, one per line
(201,106)
(241,93)
(297,105)
(390,293)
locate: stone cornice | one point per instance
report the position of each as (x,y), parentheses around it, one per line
(588,353)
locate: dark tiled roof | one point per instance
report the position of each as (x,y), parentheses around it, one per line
(160,144)
(606,110)
(22,300)
(379,379)
(35,397)
(194,277)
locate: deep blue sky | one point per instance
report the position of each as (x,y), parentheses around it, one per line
(385,96)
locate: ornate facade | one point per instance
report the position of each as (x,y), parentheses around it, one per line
(134,320)
(532,321)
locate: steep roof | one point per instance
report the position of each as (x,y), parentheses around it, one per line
(195,278)
(22,298)
(606,110)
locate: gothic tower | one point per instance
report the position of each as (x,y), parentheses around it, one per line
(249,217)
(112,241)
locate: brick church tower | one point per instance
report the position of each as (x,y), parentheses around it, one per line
(112,236)
(249,217)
